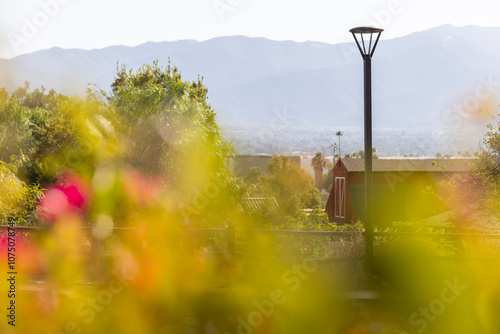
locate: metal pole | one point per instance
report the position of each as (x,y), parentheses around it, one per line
(231,238)
(368,160)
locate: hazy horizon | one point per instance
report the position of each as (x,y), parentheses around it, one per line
(34,25)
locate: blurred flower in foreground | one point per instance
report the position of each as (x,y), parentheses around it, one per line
(71,196)
(142,189)
(27,256)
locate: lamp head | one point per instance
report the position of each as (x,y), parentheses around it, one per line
(365,42)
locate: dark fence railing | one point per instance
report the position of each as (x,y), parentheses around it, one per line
(232,234)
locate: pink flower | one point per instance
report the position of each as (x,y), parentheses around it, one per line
(142,189)
(70,196)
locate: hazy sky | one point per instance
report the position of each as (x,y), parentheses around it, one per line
(30,25)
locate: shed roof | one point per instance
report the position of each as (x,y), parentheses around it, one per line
(414,165)
(256,203)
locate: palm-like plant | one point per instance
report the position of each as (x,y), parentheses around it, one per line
(319,163)
(334,146)
(339,133)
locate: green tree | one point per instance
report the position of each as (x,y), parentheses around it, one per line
(328,177)
(361,153)
(170,129)
(152,122)
(318,162)
(253,179)
(253,175)
(17,199)
(43,133)
(159,113)
(485,177)
(473,196)
(291,185)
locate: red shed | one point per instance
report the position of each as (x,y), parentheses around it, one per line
(400,189)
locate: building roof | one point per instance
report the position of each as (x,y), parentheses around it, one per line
(413,165)
(256,203)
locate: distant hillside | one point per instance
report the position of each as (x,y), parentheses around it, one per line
(428,81)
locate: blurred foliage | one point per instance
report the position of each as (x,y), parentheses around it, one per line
(474,196)
(17,199)
(130,181)
(291,185)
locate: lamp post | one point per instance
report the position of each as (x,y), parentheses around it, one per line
(366,45)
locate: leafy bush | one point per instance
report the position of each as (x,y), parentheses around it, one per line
(17,200)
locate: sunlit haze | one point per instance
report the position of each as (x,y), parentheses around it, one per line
(31,25)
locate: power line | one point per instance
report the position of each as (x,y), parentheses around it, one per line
(329,133)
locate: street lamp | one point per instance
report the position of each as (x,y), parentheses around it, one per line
(366,45)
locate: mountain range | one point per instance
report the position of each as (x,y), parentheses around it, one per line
(442,80)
